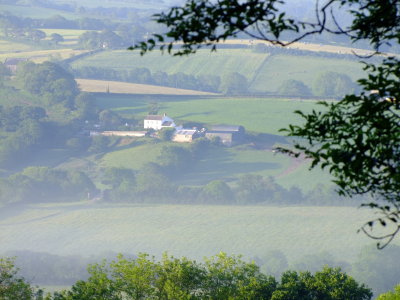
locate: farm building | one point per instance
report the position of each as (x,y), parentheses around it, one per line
(228,134)
(12,63)
(119,133)
(185,135)
(158,122)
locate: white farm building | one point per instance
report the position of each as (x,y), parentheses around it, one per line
(158,122)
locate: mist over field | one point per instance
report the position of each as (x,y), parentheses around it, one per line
(104,151)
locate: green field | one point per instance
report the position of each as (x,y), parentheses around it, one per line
(193,231)
(13,47)
(258,115)
(265,73)
(203,63)
(266,115)
(220,163)
(279,68)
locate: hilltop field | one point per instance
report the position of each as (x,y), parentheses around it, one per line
(264,73)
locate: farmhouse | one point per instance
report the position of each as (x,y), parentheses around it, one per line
(228,134)
(185,135)
(158,122)
(12,63)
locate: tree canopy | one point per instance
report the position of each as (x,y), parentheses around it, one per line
(219,277)
(356,138)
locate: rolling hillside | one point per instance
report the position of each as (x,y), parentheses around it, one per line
(264,72)
(193,231)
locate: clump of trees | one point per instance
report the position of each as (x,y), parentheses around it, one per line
(49,81)
(219,277)
(44,184)
(378,270)
(294,88)
(333,84)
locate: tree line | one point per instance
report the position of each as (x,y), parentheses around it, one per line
(378,270)
(218,277)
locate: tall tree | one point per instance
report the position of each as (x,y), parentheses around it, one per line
(356,138)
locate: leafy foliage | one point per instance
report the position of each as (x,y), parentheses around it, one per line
(11,285)
(391,295)
(293,87)
(219,277)
(48,80)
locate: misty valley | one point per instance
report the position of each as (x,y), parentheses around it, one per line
(140,174)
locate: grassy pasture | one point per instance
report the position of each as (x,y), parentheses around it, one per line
(218,164)
(13,47)
(261,115)
(279,68)
(203,63)
(193,231)
(266,115)
(265,73)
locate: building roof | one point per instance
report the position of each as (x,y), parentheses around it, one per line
(167,123)
(228,135)
(14,61)
(226,128)
(186,132)
(154,117)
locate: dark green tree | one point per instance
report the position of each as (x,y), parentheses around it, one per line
(356,139)
(49,81)
(333,85)
(56,38)
(216,192)
(234,84)
(294,88)
(166,134)
(330,284)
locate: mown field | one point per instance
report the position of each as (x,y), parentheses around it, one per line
(203,63)
(117,87)
(193,231)
(265,73)
(303,68)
